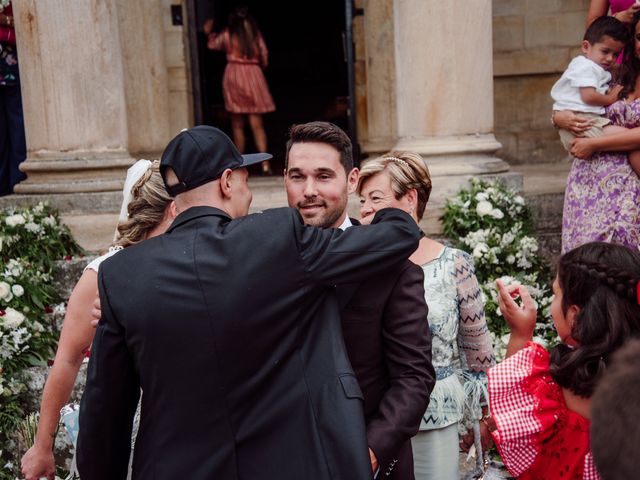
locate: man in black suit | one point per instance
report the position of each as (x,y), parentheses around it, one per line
(384,318)
(230,326)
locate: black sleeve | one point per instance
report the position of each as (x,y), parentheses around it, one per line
(109,401)
(333,256)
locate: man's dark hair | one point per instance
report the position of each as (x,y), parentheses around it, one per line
(614,416)
(322,132)
(601,280)
(606,26)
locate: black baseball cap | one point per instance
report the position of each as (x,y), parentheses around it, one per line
(201,154)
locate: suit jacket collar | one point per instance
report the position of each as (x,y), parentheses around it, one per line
(197,212)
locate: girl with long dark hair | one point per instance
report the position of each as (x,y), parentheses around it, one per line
(539,400)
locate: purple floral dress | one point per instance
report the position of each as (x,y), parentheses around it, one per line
(602,198)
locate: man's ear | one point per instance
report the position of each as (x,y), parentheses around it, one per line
(225,183)
(171,211)
(352,180)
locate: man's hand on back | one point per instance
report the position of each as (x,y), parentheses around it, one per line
(96,312)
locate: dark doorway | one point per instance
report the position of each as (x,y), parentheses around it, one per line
(307,72)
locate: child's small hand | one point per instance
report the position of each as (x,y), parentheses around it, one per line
(613,93)
(520,318)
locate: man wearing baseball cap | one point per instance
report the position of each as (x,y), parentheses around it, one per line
(230,326)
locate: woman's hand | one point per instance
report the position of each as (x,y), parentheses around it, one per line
(468,439)
(208,26)
(520,318)
(626,16)
(582,147)
(37,463)
(567,120)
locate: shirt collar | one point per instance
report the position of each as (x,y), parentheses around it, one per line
(346,224)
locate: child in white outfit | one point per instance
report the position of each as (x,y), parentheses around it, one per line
(584,86)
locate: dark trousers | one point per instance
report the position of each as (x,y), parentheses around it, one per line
(13,148)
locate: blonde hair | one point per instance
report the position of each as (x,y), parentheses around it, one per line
(406,170)
(146,209)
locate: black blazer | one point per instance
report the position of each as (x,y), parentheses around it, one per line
(388,342)
(231,329)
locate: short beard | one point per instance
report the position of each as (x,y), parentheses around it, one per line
(324,221)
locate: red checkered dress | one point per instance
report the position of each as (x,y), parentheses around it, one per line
(537,436)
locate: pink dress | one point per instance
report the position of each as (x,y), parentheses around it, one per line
(619,5)
(244,87)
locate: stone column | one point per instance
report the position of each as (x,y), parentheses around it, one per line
(444,85)
(79,106)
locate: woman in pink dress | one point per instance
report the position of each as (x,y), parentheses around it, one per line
(623,10)
(244,87)
(539,400)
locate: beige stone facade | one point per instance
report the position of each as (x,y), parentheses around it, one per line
(438,77)
(533,42)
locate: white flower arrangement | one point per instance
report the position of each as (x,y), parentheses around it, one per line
(31,240)
(494,224)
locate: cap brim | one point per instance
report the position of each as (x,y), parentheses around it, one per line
(253,158)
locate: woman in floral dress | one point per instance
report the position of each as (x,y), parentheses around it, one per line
(602,198)
(461,344)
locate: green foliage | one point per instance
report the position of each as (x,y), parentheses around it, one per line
(32,241)
(494,224)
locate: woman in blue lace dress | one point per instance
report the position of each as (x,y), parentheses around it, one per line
(462,351)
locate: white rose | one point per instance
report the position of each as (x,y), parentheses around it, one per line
(32,227)
(17,290)
(12,318)
(484,208)
(511,259)
(481,196)
(13,220)
(479,250)
(497,213)
(5,289)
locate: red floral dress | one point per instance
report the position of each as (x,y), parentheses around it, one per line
(537,436)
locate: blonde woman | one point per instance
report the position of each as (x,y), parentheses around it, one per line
(461,349)
(147,210)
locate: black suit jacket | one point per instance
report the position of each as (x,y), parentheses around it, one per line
(231,329)
(389,345)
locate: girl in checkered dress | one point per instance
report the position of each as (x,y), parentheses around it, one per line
(540,400)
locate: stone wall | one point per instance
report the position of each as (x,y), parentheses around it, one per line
(180,95)
(533,42)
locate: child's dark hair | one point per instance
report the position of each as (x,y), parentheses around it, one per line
(630,68)
(601,279)
(606,26)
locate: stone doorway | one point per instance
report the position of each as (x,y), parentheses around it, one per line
(307,71)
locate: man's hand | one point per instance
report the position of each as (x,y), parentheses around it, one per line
(96,312)
(374,461)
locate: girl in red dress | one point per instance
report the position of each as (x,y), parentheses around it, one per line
(540,400)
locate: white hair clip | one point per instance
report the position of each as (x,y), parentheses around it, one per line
(397,160)
(135,173)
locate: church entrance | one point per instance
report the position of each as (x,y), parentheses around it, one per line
(308,71)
